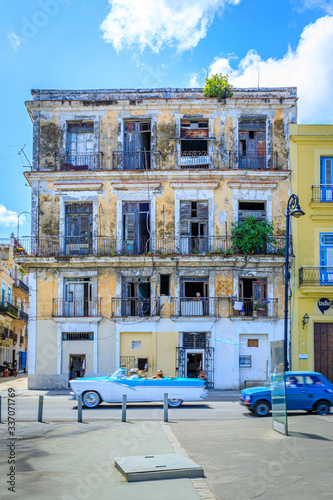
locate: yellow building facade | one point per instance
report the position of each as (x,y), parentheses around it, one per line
(14,307)
(311,154)
(131,259)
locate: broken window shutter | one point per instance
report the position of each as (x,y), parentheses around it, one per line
(185,215)
(202,210)
(130,226)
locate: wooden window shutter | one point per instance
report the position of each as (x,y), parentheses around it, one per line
(185,216)
(202,207)
(129,226)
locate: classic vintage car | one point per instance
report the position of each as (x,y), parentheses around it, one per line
(309,391)
(111,389)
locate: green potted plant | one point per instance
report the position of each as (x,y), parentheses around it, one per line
(251,235)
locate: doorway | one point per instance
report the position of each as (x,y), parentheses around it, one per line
(323,349)
(194,363)
(78,361)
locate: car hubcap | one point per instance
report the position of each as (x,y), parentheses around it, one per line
(90,399)
(322,409)
(262,410)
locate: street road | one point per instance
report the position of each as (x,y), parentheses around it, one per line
(60,408)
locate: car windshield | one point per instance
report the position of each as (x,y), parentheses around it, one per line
(119,373)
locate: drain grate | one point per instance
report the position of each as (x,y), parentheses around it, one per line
(150,467)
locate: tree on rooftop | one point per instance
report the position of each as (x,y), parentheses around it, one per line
(218,86)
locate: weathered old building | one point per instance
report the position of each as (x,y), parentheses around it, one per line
(132,258)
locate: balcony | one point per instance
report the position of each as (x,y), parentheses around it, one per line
(12,311)
(191,306)
(134,306)
(322,193)
(4,333)
(253,161)
(23,316)
(54,246)
(76,308)
(19,284)
(260,308)
(195,160)
(136,160)
(79,161)
(316,276)
(15,338)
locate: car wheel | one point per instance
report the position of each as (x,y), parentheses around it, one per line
(91,399)
(261,409)
(322,408)
(174,403)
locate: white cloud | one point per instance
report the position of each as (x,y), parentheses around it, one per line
(148,23)
(9,217)
(309,68)
(325,5)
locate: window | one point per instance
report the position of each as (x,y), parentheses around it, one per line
(164,284)
(193,226)
(252,342)
(252,293)
(136,344)
(78,336)
(137,145)
(251,208)
(194,297)
(326,181)
(252,143)
(136,297)
(78,228)
(194,143)
(136,227)
(78,298)
(326,258)
(79,147)
(3,293)
(9,294)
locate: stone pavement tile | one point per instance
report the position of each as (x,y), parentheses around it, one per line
(75,461)
(245,459)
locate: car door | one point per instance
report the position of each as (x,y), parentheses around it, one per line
(296,392)
(315,389)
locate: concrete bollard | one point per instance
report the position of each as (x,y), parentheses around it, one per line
(123,408)
(79,408)
(165,407)
(40,408)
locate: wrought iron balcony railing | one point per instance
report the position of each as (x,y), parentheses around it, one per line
(316,275)
(23,316)
(260,160)
(261,308)
(193,306)
(136,160)
(322,193)
(19,284)
(76,308)
(134,306)
(195,159)
(53,246)
(79,161)
(12,310)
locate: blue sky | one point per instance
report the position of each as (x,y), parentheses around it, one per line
(152,43)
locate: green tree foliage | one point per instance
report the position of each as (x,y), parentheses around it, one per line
(252,235)
(218,86)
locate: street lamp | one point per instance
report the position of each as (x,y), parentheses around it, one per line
(18,223)
(293,209)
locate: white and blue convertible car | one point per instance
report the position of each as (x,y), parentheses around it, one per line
(111,389)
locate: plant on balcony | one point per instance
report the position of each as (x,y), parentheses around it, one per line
(252,235)
(218,86)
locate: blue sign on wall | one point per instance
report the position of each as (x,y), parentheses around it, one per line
(324,304)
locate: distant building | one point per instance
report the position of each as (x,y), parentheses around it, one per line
(14,306)
(311,150)
(131,258)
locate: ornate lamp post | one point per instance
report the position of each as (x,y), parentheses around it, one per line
(293,209)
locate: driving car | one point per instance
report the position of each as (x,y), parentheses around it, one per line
(309,391)
(112,388)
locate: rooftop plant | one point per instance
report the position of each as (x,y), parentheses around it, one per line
(252,235)
(218,86)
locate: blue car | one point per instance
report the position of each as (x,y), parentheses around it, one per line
(308,391)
